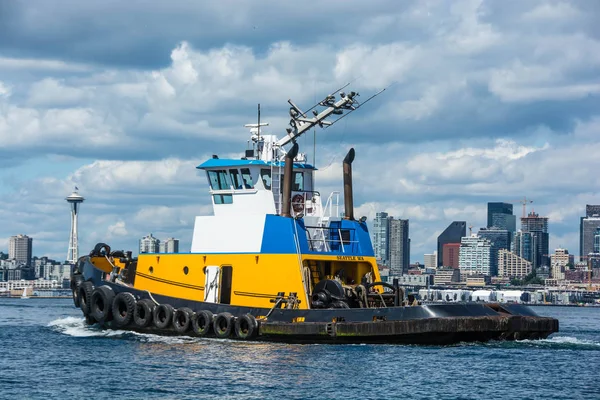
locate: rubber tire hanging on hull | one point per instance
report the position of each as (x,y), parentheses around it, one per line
(102,300)
(162,316)
(182,318)
(123,308)
(75,283)
(223,325)
(85,297)
(246,327)
(202,322)
(142,315)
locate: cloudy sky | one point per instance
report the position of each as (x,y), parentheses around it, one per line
(489,101)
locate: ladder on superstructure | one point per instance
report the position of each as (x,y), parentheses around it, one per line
(276,172)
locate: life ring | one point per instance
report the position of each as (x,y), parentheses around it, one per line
(298,203)
(123,308)
(163,315)
(223,325)
(85,296)
(202,322)
(142,314)
(246,327)
(102,301)
(182,317)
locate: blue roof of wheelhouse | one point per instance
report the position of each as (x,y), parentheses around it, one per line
(224,162)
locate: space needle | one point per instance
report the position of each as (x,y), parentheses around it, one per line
(74,200)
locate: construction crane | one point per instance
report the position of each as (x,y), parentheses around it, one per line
(524,201)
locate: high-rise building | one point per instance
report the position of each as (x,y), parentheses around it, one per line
(500,215)
(475,256)
(559,261)
(511,265)
(538,228)
(587,229)
(399,245)
(381,233)
(452,234)
(451,252)
(19,249)
(170,245)
(522,245)
(499,239)
(149,244)
(597,241)
(431,260)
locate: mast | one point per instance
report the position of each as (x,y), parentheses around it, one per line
(300,123)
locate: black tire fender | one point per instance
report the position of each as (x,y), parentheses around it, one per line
(75,283)
(162,316)
(123,308)
(223,325)
(85,297)
(182,318)
(202,322)
(102,301)
(142,315)
(246,327)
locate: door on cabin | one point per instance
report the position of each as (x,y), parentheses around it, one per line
(211,284)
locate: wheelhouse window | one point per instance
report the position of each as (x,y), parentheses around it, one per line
(247,178)
(236,179)
(219,180)
(223,198)
(298,183)
(265,174)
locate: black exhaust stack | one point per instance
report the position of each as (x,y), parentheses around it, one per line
(348,199)
(288,176)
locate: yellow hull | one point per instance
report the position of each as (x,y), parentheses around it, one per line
(256,278)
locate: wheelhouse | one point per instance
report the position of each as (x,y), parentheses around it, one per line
(255,187)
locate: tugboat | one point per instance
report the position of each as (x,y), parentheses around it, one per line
(275,264)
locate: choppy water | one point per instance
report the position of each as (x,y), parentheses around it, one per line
(46,351)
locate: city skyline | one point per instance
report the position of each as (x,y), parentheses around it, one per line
(490,110)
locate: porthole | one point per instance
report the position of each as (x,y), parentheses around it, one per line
(151,270)
(186,270)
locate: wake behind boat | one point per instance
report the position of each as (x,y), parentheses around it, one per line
(275,263)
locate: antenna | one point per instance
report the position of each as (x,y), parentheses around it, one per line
(258,134)
(300,123)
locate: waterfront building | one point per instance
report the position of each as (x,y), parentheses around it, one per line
(452,234)
(475,256)
(58,272)
(511,265)
(499,238)
(451,252)
(538,228)
(588,226)
(381,229)
(415,280)
(170,245)
(149,244)
(431,260)
(19,249)
(446,276)
(399,245)
(500,215)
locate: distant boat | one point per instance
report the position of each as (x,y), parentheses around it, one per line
(24,295)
